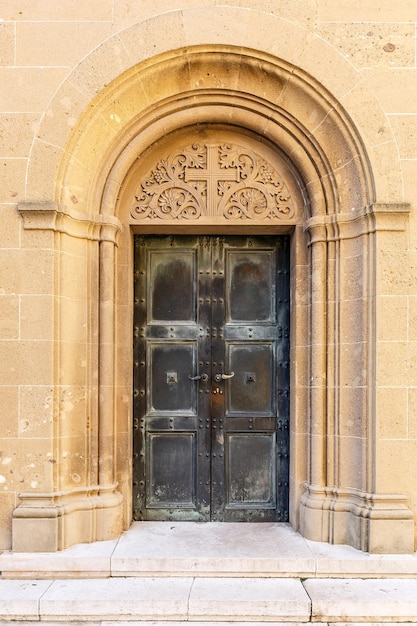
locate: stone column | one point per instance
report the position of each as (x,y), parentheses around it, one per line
(318,374)
(106,422)
(315,493)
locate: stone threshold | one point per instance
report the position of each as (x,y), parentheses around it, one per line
(209,600)
(187,549)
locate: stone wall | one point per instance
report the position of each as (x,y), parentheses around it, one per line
(56,58)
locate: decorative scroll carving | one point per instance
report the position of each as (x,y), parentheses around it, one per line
(225,180)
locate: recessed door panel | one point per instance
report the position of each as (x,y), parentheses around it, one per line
(250,463)
(172,290)
(170,389)
(211,395)
(171,469)
(251,390)
(250,286)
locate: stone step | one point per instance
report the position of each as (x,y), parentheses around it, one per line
(167,601)
(139,599)
(354,600)
(207,550)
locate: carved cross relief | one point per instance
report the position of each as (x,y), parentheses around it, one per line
(224,180)
(213,175)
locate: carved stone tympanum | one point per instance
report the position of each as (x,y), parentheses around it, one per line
(226,180)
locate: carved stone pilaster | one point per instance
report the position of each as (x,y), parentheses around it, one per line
(91,511)
(332,509)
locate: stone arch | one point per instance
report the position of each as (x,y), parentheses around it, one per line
(341,177)
(336,165)
(76,106)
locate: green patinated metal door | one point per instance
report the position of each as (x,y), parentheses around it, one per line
(211,382)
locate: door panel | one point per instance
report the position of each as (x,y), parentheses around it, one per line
(172,274)
(211,404)
(251,390)
(250,286)
(169,365)
(171,484)
(250,459)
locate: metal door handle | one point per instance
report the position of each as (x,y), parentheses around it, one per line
(202,377)
(219,377)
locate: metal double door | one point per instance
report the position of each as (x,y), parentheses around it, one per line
(211,381)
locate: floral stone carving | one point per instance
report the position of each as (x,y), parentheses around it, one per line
(202,180)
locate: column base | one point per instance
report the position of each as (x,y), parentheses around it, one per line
(374,523)
(56,521)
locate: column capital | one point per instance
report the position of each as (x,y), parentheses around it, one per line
(50,215)
(347,225)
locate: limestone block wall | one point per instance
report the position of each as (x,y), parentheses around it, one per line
(48,422)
